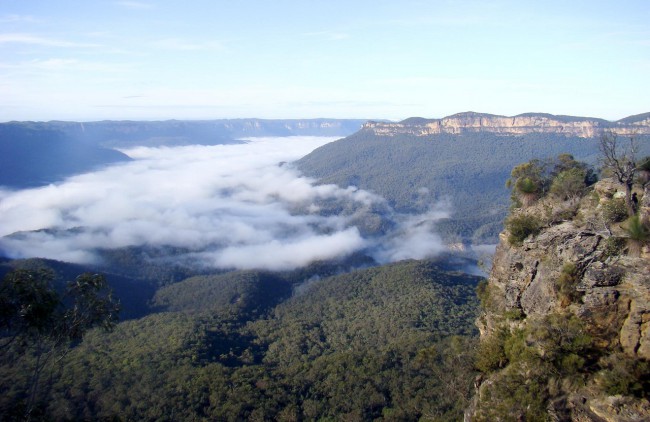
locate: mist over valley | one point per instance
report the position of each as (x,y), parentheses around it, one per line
(236,206)
(252,267)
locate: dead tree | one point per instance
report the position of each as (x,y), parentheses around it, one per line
(620,160)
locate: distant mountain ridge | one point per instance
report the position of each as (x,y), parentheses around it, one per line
(127,133)
(412,165)
(522,124)
(37,153)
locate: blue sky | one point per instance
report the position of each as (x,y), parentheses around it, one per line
(145,59)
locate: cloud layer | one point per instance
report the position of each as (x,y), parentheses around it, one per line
(228,206)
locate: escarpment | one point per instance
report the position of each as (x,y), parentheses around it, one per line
(565,327)
(584,127)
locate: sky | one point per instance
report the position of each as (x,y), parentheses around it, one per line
(203,59)
(245,211)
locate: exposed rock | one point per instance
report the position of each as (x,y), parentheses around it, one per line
(584,127)
(620,409)
(609,294)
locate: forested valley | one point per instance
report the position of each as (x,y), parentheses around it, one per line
(151,331)
(391,342)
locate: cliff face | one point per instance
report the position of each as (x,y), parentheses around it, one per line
(518,125)
(571,307)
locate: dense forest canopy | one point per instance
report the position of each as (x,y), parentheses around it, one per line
(467,170)
(334,338)
(386,342)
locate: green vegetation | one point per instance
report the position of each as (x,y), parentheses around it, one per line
(636,229)
(527,182)
(623,375)
(520,226)
(569,184)
(614,210)
(614,247)
(532,364)
(38,325)
(619,160)
(566,284)
(414,172)
(393,342)
(562,177)
(638,234)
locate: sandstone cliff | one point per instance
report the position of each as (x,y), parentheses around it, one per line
(522,124)
(565,330)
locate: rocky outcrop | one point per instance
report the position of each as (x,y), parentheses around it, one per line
(522,124)
(582,267)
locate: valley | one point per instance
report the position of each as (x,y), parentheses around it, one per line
(307,270)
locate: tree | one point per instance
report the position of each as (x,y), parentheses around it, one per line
(643,168)
(569,184)
(527,182)
(620,160)
(36,319)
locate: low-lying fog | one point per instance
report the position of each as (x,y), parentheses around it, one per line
(230,206)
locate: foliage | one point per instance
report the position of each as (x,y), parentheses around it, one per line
(636,229)
(614,247)
(527,181)
(469,169)
(491,354)
(566,284)
(520,226)
(391,342)
(563,341)
(623,375)
(638,232)
(564,177)
(38,322)
(614,210)
(483,293)
(569,184)
(528,362)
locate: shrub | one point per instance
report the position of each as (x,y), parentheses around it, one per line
(614,210)
(566,284)
(491,354)
(639,234)
(527,185)
(614,246)
(624,375)
(564,342)
(637,230)
(514,314)
(521,226)
(569,184)
(483,293)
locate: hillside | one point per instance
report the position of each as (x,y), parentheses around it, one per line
(564,327)
(34,156)
(413,173)
(387,343)
(413,169)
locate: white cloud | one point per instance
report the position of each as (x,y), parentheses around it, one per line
(178,44)
(229,206)
(15,18)
(135,5)
(20,38)
(330,35)
(67,65)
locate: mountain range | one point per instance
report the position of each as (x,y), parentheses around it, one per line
(522,124)
(562,318)
(462,161)
(37,153)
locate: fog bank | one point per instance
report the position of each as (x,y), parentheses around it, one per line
(231,206)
